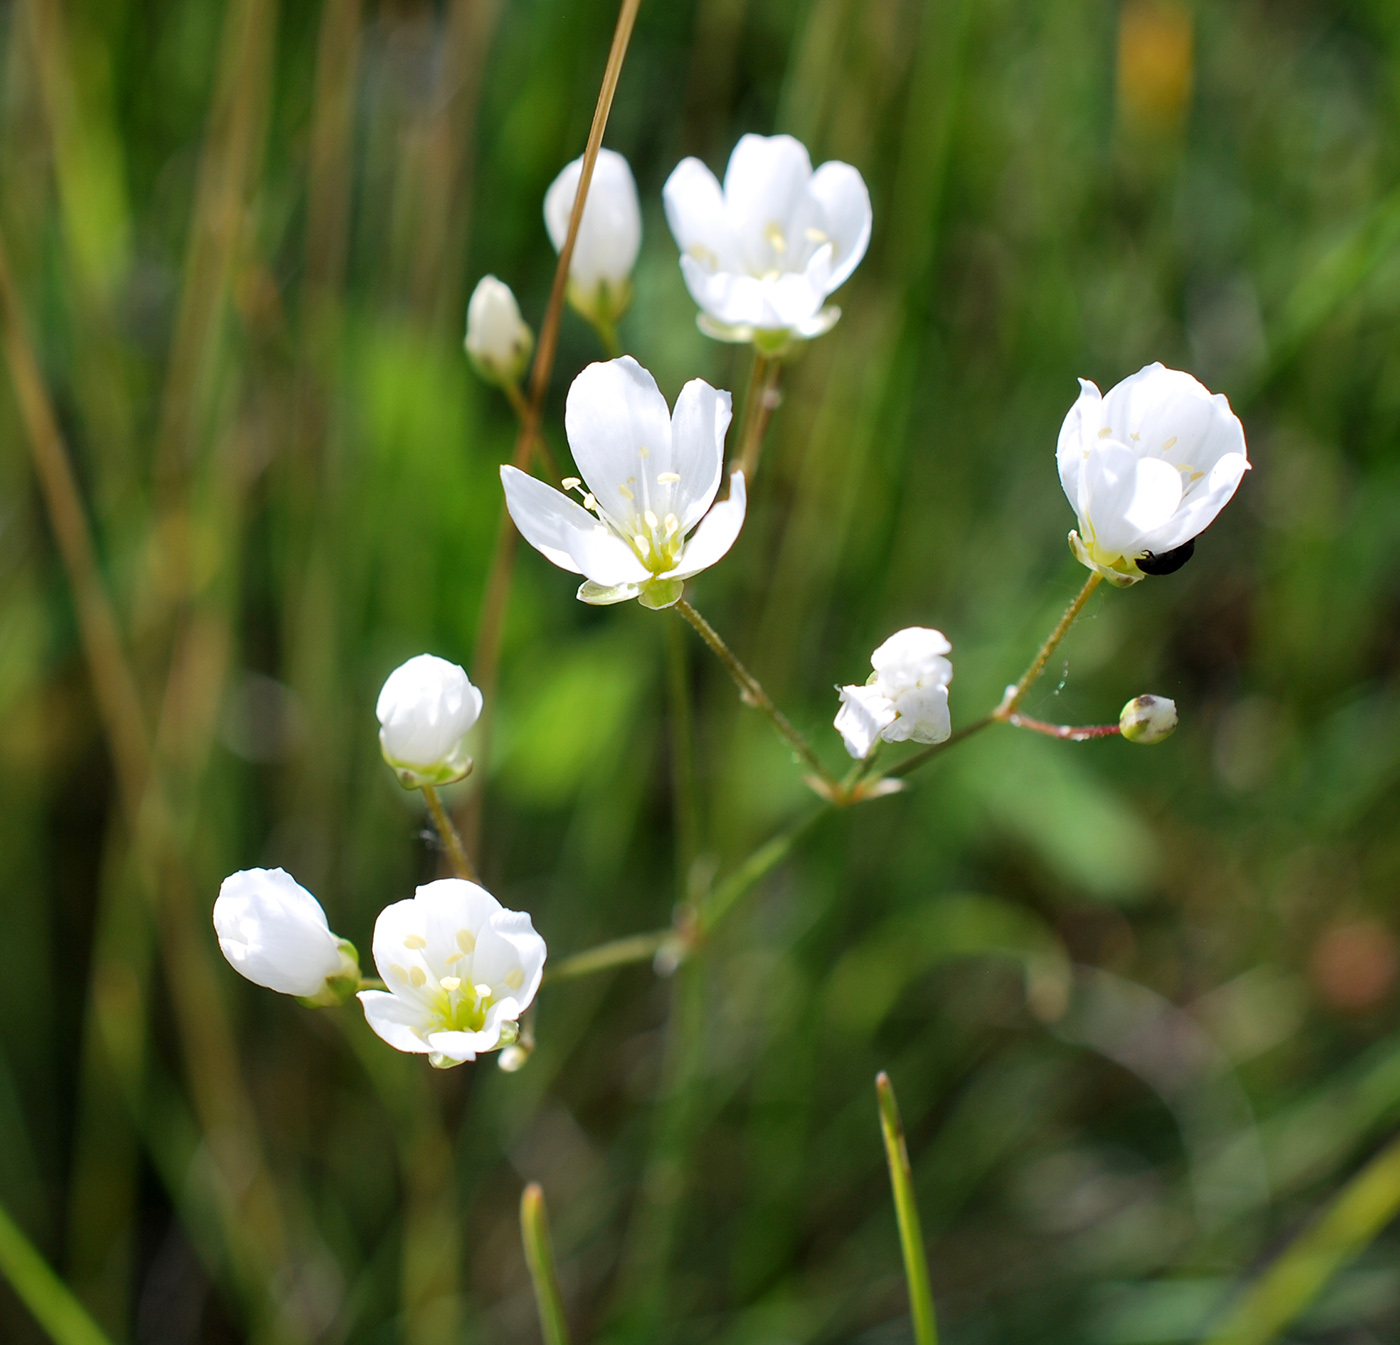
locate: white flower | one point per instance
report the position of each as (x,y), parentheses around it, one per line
(274,932)
(1147,468)
(498,339)
(650,478)
(460,970)
(425,709)
(761,255)
(1148,719)
(609,234)
(906,696)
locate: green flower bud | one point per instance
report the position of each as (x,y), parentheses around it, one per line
(1148,719)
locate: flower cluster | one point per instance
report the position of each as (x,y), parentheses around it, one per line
(904,699)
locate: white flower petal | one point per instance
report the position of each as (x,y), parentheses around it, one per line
(863,714)
(426,707)
(567,534)
(845,206)
(715,535)
(698,426)
(1127,496)
(510,956)
(1201,507)
(399,1023)
(274,932)
(696,212)
(614,411)
(923,716)
(765,186)
(1078,436)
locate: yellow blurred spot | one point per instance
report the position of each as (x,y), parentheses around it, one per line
(466,940)
(415,941)
(515,978)
(417,976)
(1156,60)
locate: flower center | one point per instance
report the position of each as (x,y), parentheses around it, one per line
(654,536)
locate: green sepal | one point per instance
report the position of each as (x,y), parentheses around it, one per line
(661,593)
(340,986)
(1123,573)
(603,595)
(457,767)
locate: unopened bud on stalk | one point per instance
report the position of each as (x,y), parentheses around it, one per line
(1148,719)
(609,235)
(499,340)
(274,932)
(425,709)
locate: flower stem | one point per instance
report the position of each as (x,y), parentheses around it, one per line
(913,763)
(684,802)
(539,1256)
(753,693)
(1070,733)
(760,402)
(451,841)
(1017,694)
(606,956)
(487,655)
(911,1237)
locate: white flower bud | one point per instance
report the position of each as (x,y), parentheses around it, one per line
(499,340)
(906,697)
(274,932)
(425,709)
(609,235)
(1148,719)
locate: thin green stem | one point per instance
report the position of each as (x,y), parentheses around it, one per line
(539,1256)
(911,1236)
(685,803)
(451,841)
(1356,1216)
(913,763)
(754,869)
(752,693)
(760,402)
(607,337)
(62,1317)
(1069,733)
(1013,700)
(606,956)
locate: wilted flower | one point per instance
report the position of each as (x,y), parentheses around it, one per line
(609,234)
(1147,469)
(460,970)
(1148,719)
(274,932)
(425,709)
(906,697)
(498,339)
(648,479)
(761,255)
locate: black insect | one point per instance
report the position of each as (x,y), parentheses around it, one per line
(1169,562)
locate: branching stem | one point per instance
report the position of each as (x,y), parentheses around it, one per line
(1017,694)
(760,402)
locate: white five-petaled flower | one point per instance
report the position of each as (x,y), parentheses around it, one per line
(906,696)
(1147,468)
(761,255)
(498,339)
(649,478)
(609,234)
(274,932)
(460,970)
(425,709)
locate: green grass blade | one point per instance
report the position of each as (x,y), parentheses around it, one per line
(911,1235)
(1358,1214)
(539,1256)
(45,1295)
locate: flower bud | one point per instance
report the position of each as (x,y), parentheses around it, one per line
(425,709)
(499,340)
(609,235)
(274,932)
(1148,719)
(905,698)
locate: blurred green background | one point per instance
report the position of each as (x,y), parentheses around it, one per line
(1140,1005)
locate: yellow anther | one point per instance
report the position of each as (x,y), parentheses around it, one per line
(651,520)
(817,236)
(415,941)
(642,542)
(1135,436)
(1170,444)
(644,452)
(453,957)
(396,970)
(451,983)
(672,524)
(589,502)
(418,976)
(775,237)
(482,991)
(515,978)
(1105,432)
(667,478)
(570,482)
(466,940)
(624,492)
